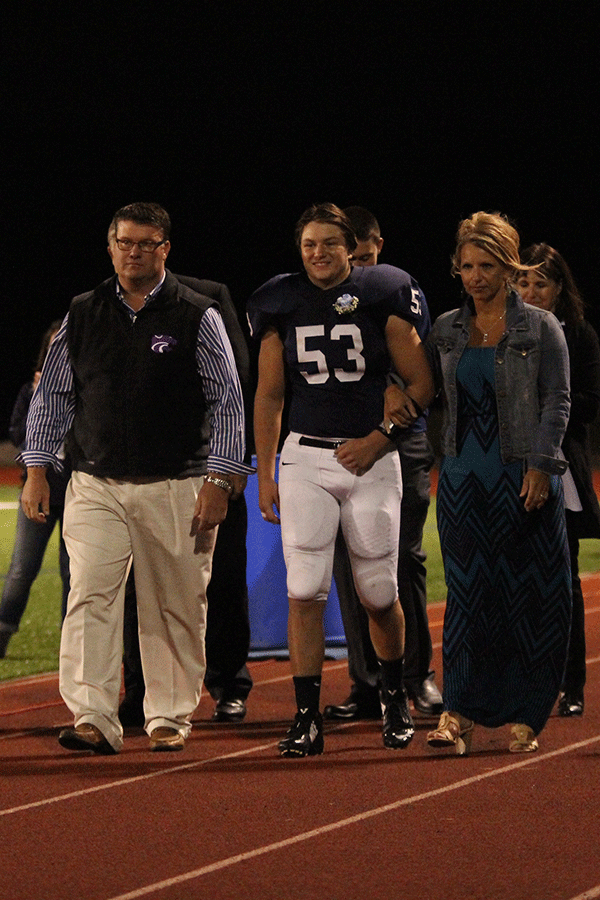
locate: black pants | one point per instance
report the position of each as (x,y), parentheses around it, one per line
(574,679)
(227,627)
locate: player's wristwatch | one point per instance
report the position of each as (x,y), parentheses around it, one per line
(390,430)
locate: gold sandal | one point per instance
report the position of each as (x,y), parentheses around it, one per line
(525,740)
(453,731)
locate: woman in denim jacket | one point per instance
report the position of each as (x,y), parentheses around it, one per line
(504,370)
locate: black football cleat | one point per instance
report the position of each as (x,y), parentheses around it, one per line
(304,737)
(398,728)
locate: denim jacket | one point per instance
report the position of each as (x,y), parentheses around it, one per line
(531,378)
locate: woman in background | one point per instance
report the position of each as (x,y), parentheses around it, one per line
(31,538)
(503,368)
(551,286)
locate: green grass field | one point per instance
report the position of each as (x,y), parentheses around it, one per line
(35,646)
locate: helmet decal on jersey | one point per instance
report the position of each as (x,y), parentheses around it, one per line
(345,304)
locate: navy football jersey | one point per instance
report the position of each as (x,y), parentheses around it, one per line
(334,342)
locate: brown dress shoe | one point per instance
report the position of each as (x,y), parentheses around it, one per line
(164,738)
(85,737)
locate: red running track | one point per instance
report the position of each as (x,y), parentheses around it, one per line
(228,818)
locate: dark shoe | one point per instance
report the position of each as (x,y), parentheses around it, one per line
(361,704)
(85,737)
(230,709)
(425,695)
(165,738)
(398,728)
(5,637)
(304,738)
(570,705)
(131,712)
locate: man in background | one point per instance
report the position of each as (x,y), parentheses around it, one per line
(227,639)
(416,459)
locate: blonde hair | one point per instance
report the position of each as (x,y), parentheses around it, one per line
(493,233)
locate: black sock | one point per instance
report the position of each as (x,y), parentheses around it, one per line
(392,672)
(308,693)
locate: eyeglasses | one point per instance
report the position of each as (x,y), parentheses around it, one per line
(145,246)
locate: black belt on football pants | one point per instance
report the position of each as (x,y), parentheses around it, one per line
(322,444)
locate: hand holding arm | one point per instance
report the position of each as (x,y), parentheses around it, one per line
(405,405)
(399,407)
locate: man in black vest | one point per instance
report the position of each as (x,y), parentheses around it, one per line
(141,381)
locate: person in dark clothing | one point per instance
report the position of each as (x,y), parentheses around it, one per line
(227,640)
(416,459)
(31,540)
(552,287)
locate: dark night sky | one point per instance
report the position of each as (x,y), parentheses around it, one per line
(237,115)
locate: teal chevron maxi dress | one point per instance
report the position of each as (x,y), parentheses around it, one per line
(507,571)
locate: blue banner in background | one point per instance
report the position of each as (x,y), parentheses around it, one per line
(267,592)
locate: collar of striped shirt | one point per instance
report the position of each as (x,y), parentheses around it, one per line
(148,297)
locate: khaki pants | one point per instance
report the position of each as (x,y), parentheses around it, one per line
(106,524)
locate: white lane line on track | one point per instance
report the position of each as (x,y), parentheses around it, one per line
(344,823)
(36,804)
(71,795)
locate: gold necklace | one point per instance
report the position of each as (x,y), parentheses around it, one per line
(493,325)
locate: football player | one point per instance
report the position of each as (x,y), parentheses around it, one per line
(332,332)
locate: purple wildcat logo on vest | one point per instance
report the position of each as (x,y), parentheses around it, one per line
(163,343)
